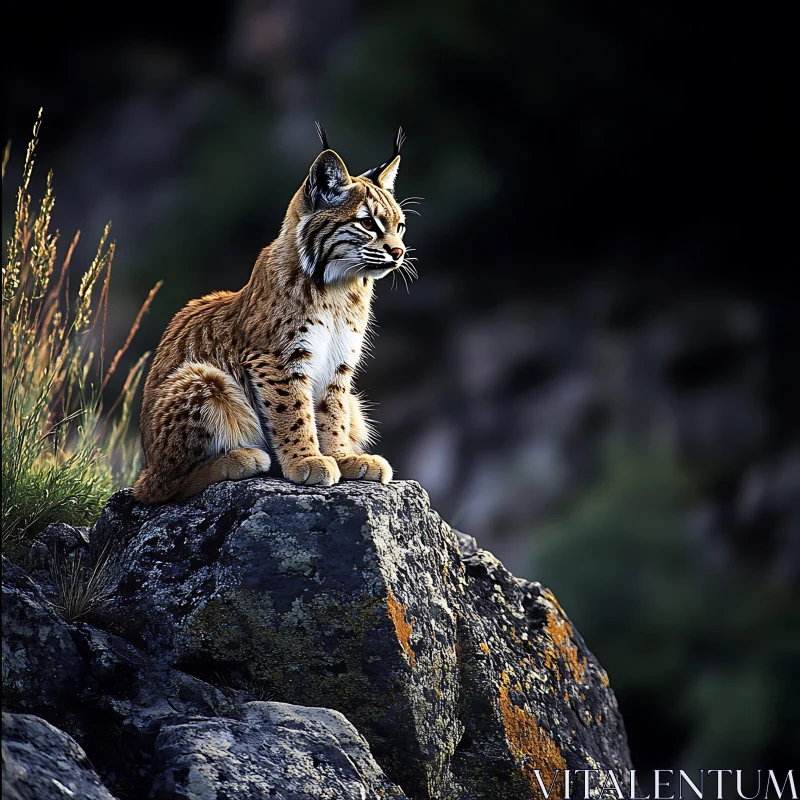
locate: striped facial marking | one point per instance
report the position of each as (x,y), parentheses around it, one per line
(361,237)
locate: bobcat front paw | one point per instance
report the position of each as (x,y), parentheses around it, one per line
(313,471)
(365,468)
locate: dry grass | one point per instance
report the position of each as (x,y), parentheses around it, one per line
(82,584)
(63,454)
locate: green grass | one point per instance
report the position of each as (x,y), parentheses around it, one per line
(63,453)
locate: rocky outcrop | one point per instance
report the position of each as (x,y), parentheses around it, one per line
(148,726)
(113,698)
(55,544)
(40,762)
(42,669)
(463,679)
(276,750)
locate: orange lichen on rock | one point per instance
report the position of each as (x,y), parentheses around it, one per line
(559,632)
(485,647)
(397,614)
(529,744)
(546,593)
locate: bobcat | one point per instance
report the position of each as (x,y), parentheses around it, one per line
(266,370)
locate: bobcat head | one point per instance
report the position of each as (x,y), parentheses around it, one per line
(349,227)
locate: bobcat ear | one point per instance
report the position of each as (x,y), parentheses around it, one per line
(327,180)
(387,178)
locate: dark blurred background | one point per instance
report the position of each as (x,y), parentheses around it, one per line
(596,374)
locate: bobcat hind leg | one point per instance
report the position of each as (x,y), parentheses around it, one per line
(231,466)
(205,431)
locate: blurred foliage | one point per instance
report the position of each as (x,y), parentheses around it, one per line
(62,455)
(702,651)
(224,177)
(570,115)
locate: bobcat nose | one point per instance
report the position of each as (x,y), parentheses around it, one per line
(395,252)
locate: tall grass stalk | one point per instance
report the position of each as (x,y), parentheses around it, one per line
(62,455)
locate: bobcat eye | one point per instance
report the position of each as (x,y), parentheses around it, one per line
(367,223)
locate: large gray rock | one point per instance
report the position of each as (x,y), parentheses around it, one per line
(113,698)
(42,668)
(462,678)
(277,750)
(117,701)
(128,698)
(40,762)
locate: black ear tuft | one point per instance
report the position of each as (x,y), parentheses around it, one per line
(373,173)
(323,137)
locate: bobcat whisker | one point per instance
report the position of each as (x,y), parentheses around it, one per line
(339,268)
(357,267)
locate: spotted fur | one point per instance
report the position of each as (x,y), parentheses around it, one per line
(266,370)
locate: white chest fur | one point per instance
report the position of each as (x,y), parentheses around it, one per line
(332,340)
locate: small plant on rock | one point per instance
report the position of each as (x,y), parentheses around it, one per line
(82,585)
